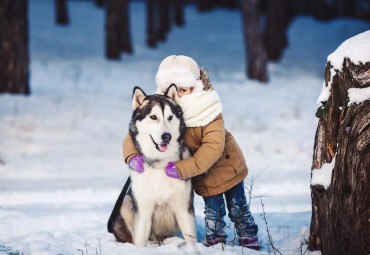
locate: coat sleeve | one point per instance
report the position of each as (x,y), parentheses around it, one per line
(213,144)
(128,148)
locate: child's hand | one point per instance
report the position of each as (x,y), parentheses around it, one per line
(137,163)
(171,170)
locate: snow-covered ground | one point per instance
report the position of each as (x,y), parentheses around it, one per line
(61,167)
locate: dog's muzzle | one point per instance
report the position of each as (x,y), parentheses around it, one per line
(166,139)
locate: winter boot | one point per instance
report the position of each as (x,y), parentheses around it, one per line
(250,242)
(211,242)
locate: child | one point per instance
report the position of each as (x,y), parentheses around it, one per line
(217,167)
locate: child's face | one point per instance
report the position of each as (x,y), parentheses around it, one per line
(184,91)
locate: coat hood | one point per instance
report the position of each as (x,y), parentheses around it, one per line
(182,71)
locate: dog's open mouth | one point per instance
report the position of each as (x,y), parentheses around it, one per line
(161,147)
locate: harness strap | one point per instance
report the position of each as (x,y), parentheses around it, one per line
(118,205)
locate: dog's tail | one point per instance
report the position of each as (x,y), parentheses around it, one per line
(117,206)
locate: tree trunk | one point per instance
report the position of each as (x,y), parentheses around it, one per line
(179,13)
(345,8)
(231,4)
(61,12)
(151,21)
(164,19)
(124,27)
(117,29)
(277,20)
(256,52)
(112,37)
(99,3)
(340,214)
(205,5)
(167,15)
(14,54)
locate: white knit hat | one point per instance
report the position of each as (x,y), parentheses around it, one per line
(180,70)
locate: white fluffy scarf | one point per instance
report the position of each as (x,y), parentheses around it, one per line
(200,108)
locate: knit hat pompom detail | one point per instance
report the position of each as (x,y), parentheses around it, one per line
(180,70)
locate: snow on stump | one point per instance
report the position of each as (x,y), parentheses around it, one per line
(340,187)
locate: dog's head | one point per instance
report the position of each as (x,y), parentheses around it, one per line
(157,125)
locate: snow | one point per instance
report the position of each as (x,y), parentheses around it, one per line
(61,161)
(325,91)
(356,48)
(322,176)
(358,95)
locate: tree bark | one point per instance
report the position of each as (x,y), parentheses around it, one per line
(205,5)
(345,8)
(179,13)
(340,214)
(14,55)
(277,20)
(164,19)
(112,37)
(167,15)
(124,27)
(99,3)
(256,53)
(231,4)
(117,29)
(61,12)
(151,31)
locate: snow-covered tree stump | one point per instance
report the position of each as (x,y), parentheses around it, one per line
(340,187)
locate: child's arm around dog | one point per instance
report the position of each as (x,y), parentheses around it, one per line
(129,149)
(211,149)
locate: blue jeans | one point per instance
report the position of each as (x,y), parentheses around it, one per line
(238,212)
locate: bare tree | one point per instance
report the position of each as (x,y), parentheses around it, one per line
(151,23)
(205,5)
(255,50)
(112,45)
(345,8)
(179,13)
(61,12)
(124,27)
(14,55)
(164,19)
(278,16)
(340,213)
(117,29)
(99,3)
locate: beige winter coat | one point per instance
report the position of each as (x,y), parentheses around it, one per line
(217,164)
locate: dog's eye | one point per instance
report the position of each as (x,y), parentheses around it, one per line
(170,118)
(153,117)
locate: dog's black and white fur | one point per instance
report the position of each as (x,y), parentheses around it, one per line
(156,206)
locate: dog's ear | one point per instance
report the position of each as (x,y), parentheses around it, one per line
(138,97)
(172,93)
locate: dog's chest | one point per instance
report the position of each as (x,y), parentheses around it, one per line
(155,185)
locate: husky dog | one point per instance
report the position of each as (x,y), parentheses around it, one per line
(156,205)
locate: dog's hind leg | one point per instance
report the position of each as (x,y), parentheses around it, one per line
(143,224)
(121,232)
(123,225)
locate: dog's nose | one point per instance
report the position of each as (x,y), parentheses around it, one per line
(166,137)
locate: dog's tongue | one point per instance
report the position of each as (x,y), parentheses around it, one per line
(163,147)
